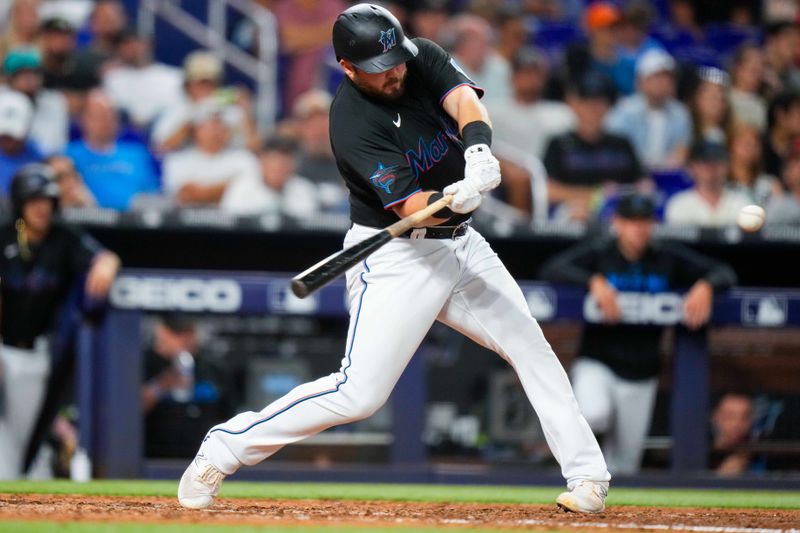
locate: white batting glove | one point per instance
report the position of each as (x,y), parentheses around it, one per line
(482,168)
(466,196)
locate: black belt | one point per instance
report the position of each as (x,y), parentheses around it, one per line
(438,232)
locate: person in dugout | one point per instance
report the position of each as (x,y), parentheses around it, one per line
(615,375)
(41,260)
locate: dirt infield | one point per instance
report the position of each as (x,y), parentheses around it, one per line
(375,513)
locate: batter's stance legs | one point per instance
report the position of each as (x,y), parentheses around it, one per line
(394,299)
(489,307)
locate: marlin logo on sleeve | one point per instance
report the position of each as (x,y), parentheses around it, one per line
(384,177)
(388,39)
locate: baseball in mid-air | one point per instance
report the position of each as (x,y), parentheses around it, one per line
(751,218)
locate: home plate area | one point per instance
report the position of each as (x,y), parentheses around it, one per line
(71,508)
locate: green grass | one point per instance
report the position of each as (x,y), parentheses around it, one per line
(429,493)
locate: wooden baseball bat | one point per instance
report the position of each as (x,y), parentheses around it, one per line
(333,266)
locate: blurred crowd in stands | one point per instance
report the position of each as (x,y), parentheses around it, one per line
(695,103)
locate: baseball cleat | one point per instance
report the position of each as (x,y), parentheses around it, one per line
(199,484)
(586,497)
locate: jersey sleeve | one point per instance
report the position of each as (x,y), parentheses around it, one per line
(693,267)
(82,250)
(576,265)
(439,71)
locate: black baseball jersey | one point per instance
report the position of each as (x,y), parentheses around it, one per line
(387,151)
(31,292)
(631,351)
(572,160)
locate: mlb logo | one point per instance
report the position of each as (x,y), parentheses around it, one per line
(543,302)
(765,311)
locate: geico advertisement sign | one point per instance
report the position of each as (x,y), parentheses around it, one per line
(180,294)
(661,309)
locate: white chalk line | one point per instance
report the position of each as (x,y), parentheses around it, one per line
(629,525)
(660,527)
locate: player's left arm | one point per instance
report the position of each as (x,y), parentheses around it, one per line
(464,106)
(482,169)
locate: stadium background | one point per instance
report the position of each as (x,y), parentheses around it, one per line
(456,397)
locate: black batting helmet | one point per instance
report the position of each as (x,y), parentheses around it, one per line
(371,38)
(34,180)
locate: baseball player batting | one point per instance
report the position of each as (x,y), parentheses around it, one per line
(407,127)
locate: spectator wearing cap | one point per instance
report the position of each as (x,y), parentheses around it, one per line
(658,125)
(22,27)
(587,163)
(470,39)
(22,69)
(202,86)
(200,174)
(601,52)
(16,147)
(781,46)
(525,124)
(279,189)
(709,202)
(615,376)
(747,80)
(746,173)
(785,209)
(114,170)
(783,127)
(140,87)
(315,159)
(66,69)
(528,121)
(710,106)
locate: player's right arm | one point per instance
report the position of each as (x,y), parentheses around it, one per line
(579,265)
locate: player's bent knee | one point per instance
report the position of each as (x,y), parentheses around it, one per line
(364,408)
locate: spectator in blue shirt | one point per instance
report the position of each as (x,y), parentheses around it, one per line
(114,170)
(658,125)
(16,149)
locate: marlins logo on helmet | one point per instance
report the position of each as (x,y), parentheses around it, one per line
(388,40)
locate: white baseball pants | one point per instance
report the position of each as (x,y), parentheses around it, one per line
(23,383)
(618,408)
(395,296)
